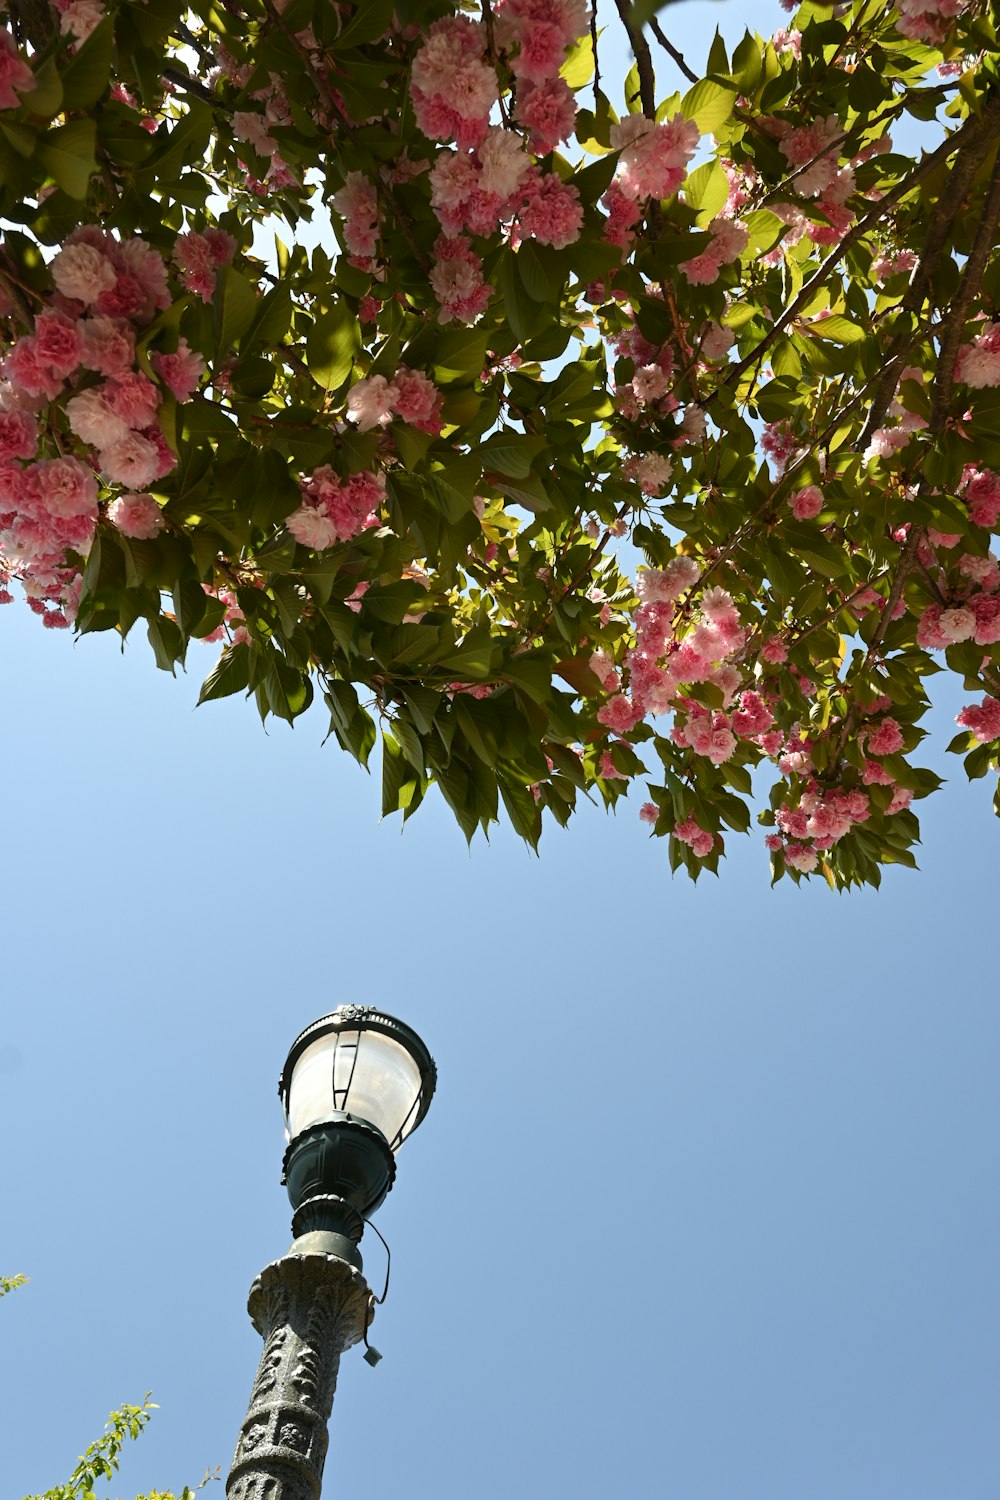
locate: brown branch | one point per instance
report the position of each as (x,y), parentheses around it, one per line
(188,85)
(597,69)
(643,59)
(669,48)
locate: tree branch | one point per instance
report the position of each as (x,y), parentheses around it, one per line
(643,59)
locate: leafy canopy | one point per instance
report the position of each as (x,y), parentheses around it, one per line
(613,432)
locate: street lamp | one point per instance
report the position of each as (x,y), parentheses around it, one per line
(355,1085)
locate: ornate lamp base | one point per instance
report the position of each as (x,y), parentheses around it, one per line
(308,1308)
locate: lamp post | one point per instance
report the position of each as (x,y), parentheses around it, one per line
(355,1085)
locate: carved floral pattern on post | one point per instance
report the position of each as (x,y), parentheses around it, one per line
(308,1309)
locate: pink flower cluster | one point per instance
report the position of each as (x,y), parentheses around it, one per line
(478,190)
(457,280)
(980,488)
(15,75)
(199,256)
(653,157)
(928,20)
(806,504)
(810,150)
(983,719)
(729,240)
(978,363)
(452,86)
(410,395)
(691,832)
(977,619)
(80,359)
(335,509)
(357,204)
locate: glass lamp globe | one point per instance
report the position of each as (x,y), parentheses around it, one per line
(355,1085)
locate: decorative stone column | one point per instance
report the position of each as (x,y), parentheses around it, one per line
(308,1307)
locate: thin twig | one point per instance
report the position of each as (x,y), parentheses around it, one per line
(669,47)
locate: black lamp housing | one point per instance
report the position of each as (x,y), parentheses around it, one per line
(339,1164)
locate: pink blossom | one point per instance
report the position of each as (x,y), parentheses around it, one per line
(62,487)
(15,75)
(134,398)
(603,667)
(652,471)
(132,460)
(986,608)
(357,204)
(57,344)
(887,738)
(690,832)
(548,111)
(312,527)
(83,272)
(418,400)
(957,625)
(502,161)
(108,345)
(899,801)
(716,342)
(753,717)
(774,651)
(80,18)
(457,280)
(801,858)
(370,403)
(981,490)
(982,719)
(18,435)
(649,383)
(810,146)
(653,158)
(552,212)
(93,419)
(452,87)
(807,503)
(136,516)
(978,363)
(649,812)
(181,371)
(664,584)
(608,771)
(620,714)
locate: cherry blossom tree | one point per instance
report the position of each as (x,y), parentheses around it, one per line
(597,435)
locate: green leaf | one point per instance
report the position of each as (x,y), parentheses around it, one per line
(510,453)
(332,346)
(46,98)
(67,154)
(708,104)
(166,641)
(229,675)
(706,190)
(578,69)
(235,306)
(88,75)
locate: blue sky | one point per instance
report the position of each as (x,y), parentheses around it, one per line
(705,1205)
